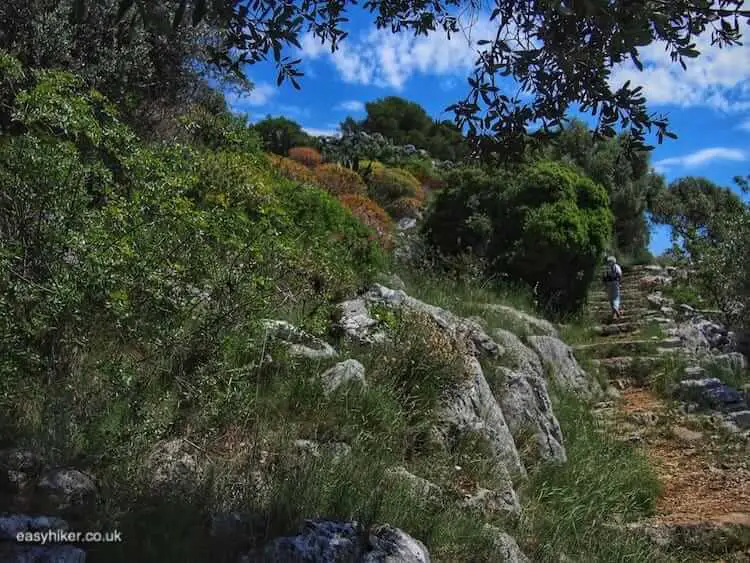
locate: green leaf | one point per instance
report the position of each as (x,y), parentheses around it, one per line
(178,15)
(199,11)
(125,5)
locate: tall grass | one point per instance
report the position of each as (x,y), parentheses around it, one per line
(568,509)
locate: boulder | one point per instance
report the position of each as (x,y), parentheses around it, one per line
(299,342)
(526,405)
(173,465)
(328,541)
(473,407)
(21,553)
(657,301)
(19,469)
(533,325)
(323,541)
(391,280)
(517,354)
(67,491)
(562,365)
(344,373)
(417,486)
(492,502)
(357,324)
(506,548)
(391,545)
(711,393)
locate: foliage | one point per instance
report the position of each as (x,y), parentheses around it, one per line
(631,184)
(722,262)
(405,207)
(370,214)
(406,123)
(339,180)
(386,185)
(423,170)
(105,239)
(292,170)
(689,205)
(567,507)
(547,227)
(280,134)
(306,155)
(214,129)
(152,73)
(600,35)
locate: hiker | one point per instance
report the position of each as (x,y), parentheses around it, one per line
(612,279)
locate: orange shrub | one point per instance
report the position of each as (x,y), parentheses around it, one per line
(306,155)
(405,207)
(292,170)
(339,180)
(372,215)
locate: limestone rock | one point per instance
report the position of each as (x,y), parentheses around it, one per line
(391,545)
(300,342)
(173,464)
(492,502)
(712,393)
(526,404)
(686,435)
(473,407)
(533,324)
(323,541)
(13,524)
(391,280)
(521,356)
(344,373)
(357,324)
(563,366)
(67,490)
(21,553)
(418,486)
(506,548)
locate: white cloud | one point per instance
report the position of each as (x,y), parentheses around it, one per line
(351,105)
(261,93)
(385,59)
(718,79)
(699,158)
(745,125)
(315,132)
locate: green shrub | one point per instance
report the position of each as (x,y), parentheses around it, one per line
(113,249)
(546,227)
(386,185)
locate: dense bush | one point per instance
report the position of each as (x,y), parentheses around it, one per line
(547,227)
(105,240)
(405,207)
(370,214)
(292,170)
(279,135)
(308,156)
(386,185)
(339,180)
(424,171)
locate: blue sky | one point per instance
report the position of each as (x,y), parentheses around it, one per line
(708,105)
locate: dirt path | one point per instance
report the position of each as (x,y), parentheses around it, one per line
(704,470)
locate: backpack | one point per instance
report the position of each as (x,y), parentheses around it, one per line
(612,274)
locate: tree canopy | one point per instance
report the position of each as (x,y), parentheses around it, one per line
(407,123)
(280,134)
(561,52)
(689,205)
(631,183)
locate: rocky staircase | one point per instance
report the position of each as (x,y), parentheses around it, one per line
(705,476)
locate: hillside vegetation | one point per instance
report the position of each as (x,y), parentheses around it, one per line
(212,332)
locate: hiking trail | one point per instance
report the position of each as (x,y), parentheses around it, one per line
(703,511)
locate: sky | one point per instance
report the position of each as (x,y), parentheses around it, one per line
(708,105)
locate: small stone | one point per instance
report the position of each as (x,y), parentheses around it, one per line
(686,435)
(741,419)
(343,373)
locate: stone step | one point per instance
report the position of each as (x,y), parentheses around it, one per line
(720,535)
(618,328)
(628,366)
(612,348)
